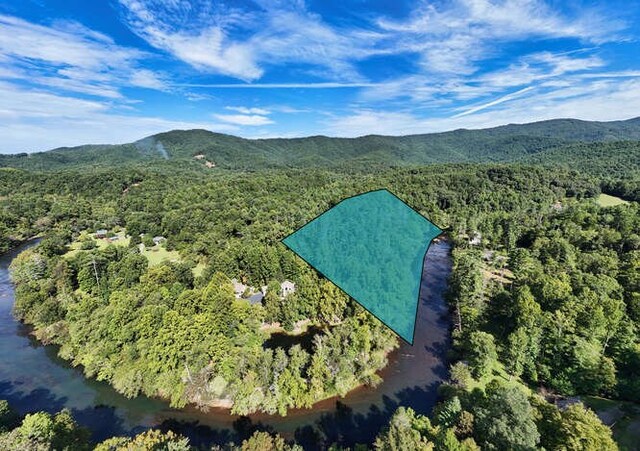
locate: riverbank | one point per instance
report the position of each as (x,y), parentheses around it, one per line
(33,377)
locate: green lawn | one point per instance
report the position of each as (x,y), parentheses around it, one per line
(100,243)
(157,254)
(604,200)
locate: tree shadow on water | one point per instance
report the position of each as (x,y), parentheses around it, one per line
(205,436)
(102,421)
(346,428)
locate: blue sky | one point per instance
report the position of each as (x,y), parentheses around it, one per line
(75,72)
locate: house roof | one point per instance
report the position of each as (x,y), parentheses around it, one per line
(288,284)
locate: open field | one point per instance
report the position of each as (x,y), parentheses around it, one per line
(100,243)
(605,200)
(156,254)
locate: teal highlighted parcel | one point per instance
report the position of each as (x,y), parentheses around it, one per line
(372,246)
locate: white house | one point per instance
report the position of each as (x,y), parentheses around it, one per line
(158,239)
(287,287)
(238,288)
(476,240)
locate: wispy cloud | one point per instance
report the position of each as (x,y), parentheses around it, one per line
(70,57)
(244,119)
(452,37)
(59,120)
(246,110)
(319,85)
(273,33)
(194,33)
(495,102)
(601,100)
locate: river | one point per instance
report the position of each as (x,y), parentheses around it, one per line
(33,378)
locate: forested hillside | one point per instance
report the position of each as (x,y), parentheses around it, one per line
(197,147)
(544,293)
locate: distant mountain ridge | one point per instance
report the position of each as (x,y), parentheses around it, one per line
(507,143)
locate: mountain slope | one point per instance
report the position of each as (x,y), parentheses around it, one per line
(499,144)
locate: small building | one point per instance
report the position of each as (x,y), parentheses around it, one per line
(200,156)
(476,240)
(158,239)
(101,233)
(256,298)
(238,288)
(114,238)
(287,287)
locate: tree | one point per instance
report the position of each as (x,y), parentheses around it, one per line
(41,431)
(401,434)
(151,440)
(263,441)
(516,351)
(8,417)
(460,375)
(582,430)
(147,240)
(481,352)
(505,420)
(27,266)
(446,413)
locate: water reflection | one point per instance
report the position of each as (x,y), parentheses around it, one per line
(33,378)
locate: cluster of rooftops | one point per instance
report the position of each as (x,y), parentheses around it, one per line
(104,234)
(255,296)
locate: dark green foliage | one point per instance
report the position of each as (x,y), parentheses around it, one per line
(566,318)
(42,431)
(504,419)
(8,418)
(545,140)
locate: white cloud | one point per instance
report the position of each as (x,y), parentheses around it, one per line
(70,57)
(245,110)
(205,36)
(244,119)
(495,102)
(144,78)
(34,120)
(203,44)
(318,85)
(599,100)
(537,67)
(452,37)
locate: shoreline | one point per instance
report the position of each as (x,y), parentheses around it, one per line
(410,376)
(220,405)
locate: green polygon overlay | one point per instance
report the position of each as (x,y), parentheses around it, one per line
(372,246)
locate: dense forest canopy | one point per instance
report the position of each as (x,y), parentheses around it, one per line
(544,294)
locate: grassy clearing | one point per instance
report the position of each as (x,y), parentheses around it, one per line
(623,418)
(497,372)
(301,327)
(75,246)
(157,254)
(604,200)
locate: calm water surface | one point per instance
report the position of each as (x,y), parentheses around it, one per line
(33,378)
